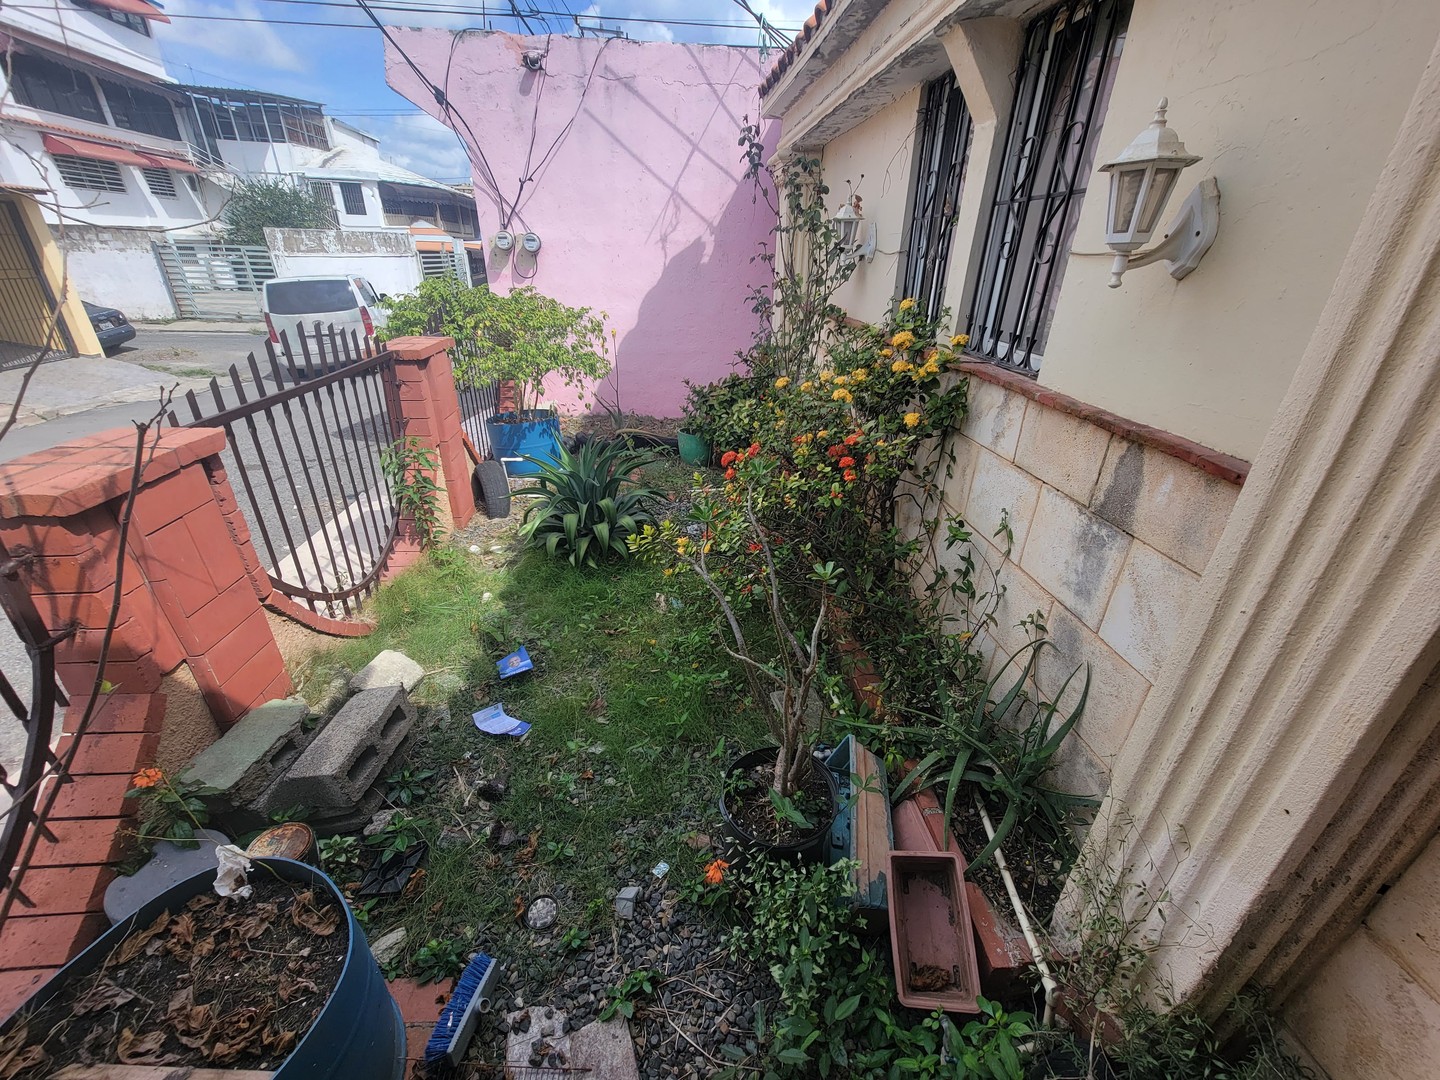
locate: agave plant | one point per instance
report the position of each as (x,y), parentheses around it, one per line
(587,505)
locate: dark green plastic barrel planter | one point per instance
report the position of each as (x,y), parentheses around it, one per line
(359,1034)
(694,450)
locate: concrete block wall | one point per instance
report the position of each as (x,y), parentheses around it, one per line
(1110,525)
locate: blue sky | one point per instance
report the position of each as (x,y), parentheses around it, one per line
(208,43)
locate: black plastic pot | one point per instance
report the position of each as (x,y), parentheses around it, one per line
(741,843)
(358,1035)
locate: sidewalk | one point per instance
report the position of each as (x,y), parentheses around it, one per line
(202,326)
(78,384)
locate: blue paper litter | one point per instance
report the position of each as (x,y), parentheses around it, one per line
(517,662)
(493,721)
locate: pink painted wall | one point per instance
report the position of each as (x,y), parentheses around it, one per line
(642,207)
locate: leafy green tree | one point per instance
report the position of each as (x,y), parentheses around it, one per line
(522,336)
(256,205)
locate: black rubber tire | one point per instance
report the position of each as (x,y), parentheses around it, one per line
(491,488)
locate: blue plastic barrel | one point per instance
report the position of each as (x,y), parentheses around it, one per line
(359,1034)
(513,439)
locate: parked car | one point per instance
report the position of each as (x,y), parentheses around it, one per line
(347,303)
(111,326)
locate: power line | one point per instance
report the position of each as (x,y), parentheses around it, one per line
(418,8)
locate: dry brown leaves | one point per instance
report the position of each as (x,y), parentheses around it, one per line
(191,1023)
(305,914)
(135,1049)
(132,946)
(15,1056)
(103,995)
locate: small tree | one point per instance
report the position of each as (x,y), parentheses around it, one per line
(523,336)
(256,205)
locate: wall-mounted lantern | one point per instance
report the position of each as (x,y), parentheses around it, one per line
(857,236)
(1142,180)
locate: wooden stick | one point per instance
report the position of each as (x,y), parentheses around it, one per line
(156,1072)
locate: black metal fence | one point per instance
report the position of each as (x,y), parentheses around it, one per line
(479,398)
(307,442)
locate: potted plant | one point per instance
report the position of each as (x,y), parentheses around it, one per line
(522,337)
(695,439)
(281,980)
(776,800)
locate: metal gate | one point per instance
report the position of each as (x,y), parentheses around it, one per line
(28,320)
(215,281)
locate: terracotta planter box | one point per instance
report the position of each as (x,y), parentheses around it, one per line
(930,932)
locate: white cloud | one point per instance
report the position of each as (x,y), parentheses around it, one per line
(258,43)
(421,144)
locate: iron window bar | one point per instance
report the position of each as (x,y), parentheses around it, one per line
(1067,67)
(940,162)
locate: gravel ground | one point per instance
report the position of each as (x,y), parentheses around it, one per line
(704,998)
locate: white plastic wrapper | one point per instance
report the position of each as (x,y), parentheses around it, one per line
(230,881)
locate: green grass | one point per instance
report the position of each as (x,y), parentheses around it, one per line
(628,703)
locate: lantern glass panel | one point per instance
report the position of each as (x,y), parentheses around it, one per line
(1157,197)
(1127,198)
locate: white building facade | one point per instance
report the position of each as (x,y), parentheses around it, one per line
(132,168)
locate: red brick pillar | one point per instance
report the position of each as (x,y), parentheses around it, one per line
(430,411)
(191,591)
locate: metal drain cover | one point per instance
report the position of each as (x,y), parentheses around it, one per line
(542,913)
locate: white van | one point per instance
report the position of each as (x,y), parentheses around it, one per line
(347,303)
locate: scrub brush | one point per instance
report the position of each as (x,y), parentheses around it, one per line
(468,1000)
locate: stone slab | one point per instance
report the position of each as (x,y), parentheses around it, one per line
(349,753)
(389,668)
(168,866)
(548,1028)
(606,1050)
(248,757)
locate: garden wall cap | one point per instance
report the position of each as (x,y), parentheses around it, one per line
(389,668)
(80,474)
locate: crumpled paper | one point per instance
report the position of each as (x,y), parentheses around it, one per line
(233,866)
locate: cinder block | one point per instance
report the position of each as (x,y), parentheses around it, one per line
(348,755)
(994,417)
(1000,492)
(1117,690)
(1063,450)
(254,752)
(1168,503)
(1146,608)
(1074,555)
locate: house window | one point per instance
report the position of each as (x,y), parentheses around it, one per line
(1063,85)
(140,110)
(41,83)
(353,196)
(193,183)
(943,143)
(86,174)
(161,183)
(124,18)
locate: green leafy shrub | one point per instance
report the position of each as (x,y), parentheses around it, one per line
(587,505)
(255,205)
(523,336)
(411,468)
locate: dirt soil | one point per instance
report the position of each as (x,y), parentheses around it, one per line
(1038,870)
(748,801)
(223,983)
(601,424)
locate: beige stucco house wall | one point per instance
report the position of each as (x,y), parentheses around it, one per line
(1253,686)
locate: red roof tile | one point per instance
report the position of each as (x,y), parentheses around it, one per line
(795,48)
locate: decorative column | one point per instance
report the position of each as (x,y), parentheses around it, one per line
(1287,764)
(430,412)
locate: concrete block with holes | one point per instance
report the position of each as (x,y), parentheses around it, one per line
(348,755)
(248,757)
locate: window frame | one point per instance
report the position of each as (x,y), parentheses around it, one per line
(347,189)
(103,176)
(25,84)
(157,180)
(138,107)
(137,23)
(942,138)
(1068,63)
